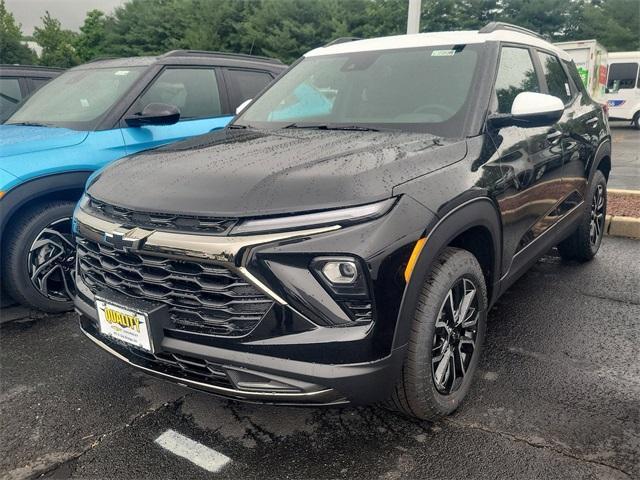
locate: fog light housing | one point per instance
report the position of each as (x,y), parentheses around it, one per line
(340,272)
(343,277)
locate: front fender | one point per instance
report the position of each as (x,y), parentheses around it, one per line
(41,187)
(479,211)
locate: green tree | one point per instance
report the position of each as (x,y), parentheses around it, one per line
(614,23)
(12,50)
(89,43)
(149,27)
(287,28)
(56,43)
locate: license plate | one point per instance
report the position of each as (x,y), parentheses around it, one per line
(124,325)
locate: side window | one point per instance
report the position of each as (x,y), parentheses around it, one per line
(557,81)
(622,75)
(246,84)
(515,75)
(193,90)
(10,96)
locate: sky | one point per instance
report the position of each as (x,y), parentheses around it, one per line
(71,13)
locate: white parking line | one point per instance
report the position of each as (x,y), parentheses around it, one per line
(193,451)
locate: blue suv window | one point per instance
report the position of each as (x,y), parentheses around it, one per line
(78,98)
(193,90)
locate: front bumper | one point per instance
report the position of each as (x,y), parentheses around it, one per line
(288,358)
(274,380)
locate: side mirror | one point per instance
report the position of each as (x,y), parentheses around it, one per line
(155,114)
(530,109)
(242,106)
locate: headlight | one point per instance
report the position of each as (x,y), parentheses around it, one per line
(83,202)
(340,216)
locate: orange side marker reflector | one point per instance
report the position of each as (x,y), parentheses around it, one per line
(1,194)
(414,258)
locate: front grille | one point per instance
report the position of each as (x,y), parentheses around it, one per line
(161,221)
(183,366)
(202,297)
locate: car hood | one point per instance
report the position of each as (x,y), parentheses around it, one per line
(250,173)
(20,139)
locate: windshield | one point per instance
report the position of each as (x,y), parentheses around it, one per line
(76,99)
(419,89)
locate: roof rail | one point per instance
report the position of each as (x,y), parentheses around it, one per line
(36,67)
(100,59)
(204,53)
(342,40)
(493,26)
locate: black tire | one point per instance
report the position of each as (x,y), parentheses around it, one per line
(580,245)
(416,393)
(17,253)
(635,123)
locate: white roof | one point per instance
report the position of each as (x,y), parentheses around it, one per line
(434,39)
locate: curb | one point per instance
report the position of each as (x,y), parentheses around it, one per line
(618,226)
(620,191)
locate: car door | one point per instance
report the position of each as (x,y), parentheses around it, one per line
(530,159)
(581,125)
(199,95)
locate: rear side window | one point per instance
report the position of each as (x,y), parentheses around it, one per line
(622,75)
(247,84)
(10,96)
(557,81)
(193,90)
(515,75)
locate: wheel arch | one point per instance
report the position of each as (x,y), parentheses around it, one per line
(601,160)
(61,186)
(474,226)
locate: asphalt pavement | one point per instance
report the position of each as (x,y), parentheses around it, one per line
(625,169)
(557,396)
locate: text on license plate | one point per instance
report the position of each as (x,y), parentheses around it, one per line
(124,325)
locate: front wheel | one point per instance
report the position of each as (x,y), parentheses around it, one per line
(584,242)
(446,338)
(39,257)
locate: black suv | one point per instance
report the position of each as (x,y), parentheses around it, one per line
(20,81)
(345,237)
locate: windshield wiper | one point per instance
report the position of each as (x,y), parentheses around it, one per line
(327,126)
(237,126)
(31,124)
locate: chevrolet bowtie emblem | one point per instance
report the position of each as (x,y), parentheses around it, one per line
(127,239)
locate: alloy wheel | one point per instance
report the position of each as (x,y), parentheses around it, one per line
(454,338)
(597,216)
(51,261)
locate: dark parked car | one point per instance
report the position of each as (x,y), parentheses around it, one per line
(89,116)
(344,238)
(20,81)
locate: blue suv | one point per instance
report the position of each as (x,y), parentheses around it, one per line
(87,117)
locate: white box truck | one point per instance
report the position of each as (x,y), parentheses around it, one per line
(591,59)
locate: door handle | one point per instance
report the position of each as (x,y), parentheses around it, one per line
(554,136)
(592,122)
